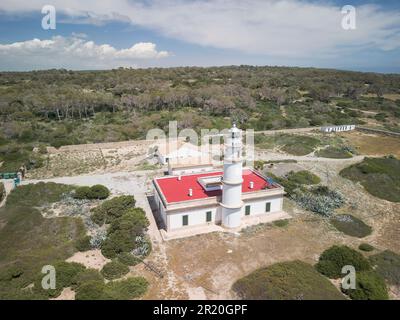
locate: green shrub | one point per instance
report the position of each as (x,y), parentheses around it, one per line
(82,193)
(334,153)
(2,191)
(123,231)
(387,265)
(83,244)
(128,259)
(115,290)
(335,258)
(95,192)
(99,191)
(379,176)
(111,209)
(65,274)
(292,280)
(85,276)
(351,225)
(91,290)
(117,242)
(303,177)
(281,223)
(366,247)
(127,289)
(114,270)
(369,286)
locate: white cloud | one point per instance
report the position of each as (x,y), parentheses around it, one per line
(74,52)
(284,28)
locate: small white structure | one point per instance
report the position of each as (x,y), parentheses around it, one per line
(348,127)
(228,197)
(180,154)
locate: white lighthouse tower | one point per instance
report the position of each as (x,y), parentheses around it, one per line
(232,180)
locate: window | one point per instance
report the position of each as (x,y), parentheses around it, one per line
(247,210)
(268,207)
(185,220)
(208,216)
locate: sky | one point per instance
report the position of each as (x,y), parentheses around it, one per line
(94,34)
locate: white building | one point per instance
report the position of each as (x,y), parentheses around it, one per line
(347,127)
(228,197)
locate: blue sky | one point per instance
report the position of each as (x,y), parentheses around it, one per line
(106,34)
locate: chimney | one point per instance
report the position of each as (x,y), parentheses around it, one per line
(251,186)
(190,192)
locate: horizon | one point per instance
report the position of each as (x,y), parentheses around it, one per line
(150,34)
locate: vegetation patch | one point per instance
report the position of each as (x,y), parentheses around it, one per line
(95,192)
(115,290)
(320,200)
(293,144)
(387,265)
(29,241)
(303,177)
(335,258)
(366,247)
(351,225)
(335,153)
(369,286)
(294,280)
(379,176)
(112,209)
(281,223)
(126,234)
(114,270)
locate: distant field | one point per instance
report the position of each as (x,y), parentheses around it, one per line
(374,145)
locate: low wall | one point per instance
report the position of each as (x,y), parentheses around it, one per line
(379,131)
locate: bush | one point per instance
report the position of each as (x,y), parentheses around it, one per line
(294,280)
(351,226)
(127,289)
(114,270)
(303,177)
(115,290)
(387,265)
(335,258)
(82,193)
(85,276)
(65,274)
(84,243)
(123,231)
(111,209)
(366,247)
(281,223)
(95,192)
(369,286)
(379,176)
(91,290)
(128,259)
(2,191)
(99,191)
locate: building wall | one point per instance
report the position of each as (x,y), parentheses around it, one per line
(197,217)
(257,207)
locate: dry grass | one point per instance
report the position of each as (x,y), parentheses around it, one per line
(373,145)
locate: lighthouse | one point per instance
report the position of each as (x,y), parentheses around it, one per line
(232,179)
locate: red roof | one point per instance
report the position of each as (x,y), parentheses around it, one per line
(175,190)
